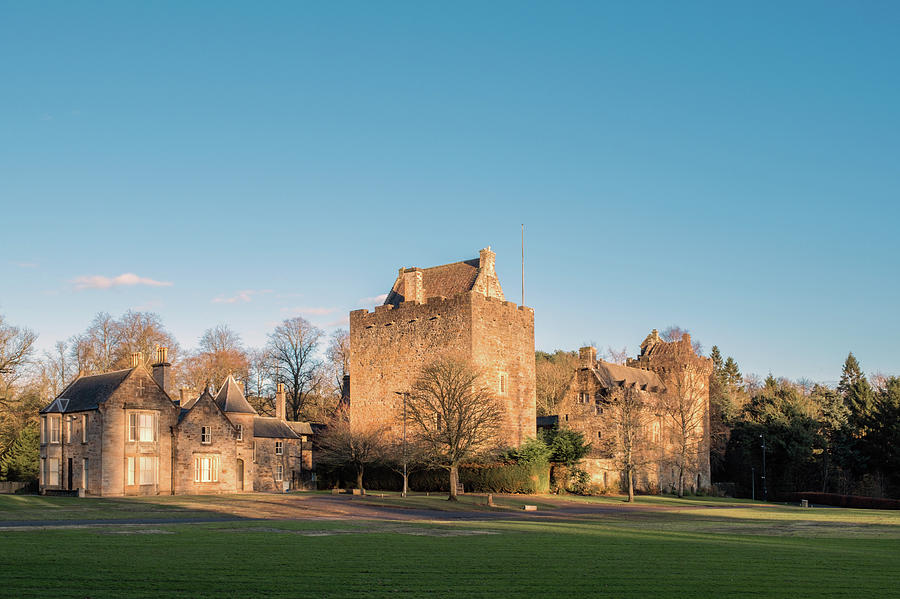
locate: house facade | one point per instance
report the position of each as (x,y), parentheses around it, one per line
(120,433)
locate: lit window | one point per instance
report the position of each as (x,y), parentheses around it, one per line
(253,451)
(206,469)
(240,432)
(142,426)
(53,421)
(504,383)
(279,447)
(68,429)
(205,435)
(84,473)
(279,472)
(52,476)
(129,471)
(84,428)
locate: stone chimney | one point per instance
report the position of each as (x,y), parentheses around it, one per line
(185,395)
(413,289)
(137,358)
(587,355)
(486,259)
(280,408)
(162,369)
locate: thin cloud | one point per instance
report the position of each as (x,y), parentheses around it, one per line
(26,264)
(315,311)
(375,299)
(128,279)
(340,322)
(242,296)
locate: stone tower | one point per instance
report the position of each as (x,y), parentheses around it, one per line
(455,309)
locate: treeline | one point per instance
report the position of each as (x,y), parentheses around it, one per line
(292,356)
(842,440)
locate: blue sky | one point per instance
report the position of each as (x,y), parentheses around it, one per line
(730,168)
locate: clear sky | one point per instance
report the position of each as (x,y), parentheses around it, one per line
(728,167)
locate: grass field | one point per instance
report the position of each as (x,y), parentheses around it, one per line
(577,548)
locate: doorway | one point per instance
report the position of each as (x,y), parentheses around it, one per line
(69,474)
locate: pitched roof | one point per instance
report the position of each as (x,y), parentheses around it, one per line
(616,375)
(301,428)
(87,392)
(186,409)
(230,398)
(272,428)
(446,280)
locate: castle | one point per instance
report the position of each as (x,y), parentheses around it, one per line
(455,309)
(670,386)
(119,433)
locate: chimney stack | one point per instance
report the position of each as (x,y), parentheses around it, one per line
(413,289)
(280,401)
(588,355)
(162,369)
(137,358)
(486,260)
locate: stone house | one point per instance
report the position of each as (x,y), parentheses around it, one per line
(120,433)
(455,309)
(670,384)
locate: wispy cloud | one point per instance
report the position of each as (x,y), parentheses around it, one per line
(26,264)
(340,322)
(369,301)
(314,311)
(242,296)
(128,279)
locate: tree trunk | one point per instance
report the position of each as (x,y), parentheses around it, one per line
(454,481)
(405,484)
(629,474)
(680,480)
(359,479)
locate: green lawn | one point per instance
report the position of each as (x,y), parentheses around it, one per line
(675,548)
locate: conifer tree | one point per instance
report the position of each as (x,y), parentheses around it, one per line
(857,393)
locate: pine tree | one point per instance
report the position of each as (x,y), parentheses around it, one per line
(851,374)
(732,374)
(716,356)
(20,462)
(857,394)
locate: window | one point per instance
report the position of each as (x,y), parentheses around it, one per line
(206,469)
(52,476)
(279,472)
(654,432)
(84,429)
(53,422)
(84,473)
(42,477)
(279,447)
(142,426)
(147,470)
(240,432)
(253,451)
(504,383)
(43,434)
(129,470)
(599,434)
(68,429)
(205,435)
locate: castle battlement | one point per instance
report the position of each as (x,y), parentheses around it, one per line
(415,310)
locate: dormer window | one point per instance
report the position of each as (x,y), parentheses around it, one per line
(205,435)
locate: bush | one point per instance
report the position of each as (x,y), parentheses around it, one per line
(852,501)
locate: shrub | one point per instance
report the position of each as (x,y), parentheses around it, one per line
(852,501)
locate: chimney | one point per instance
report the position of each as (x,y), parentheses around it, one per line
(184,394)
(162,369)
(137,358)
(486,260)
(279,401)
(413,289)
(587,355)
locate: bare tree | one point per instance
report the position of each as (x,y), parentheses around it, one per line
(625,434)
(406,459)
(552,375)
(220,353)
(293,345)
(685,409)
(16,347)
(96,349)
(675,332)
(616,356)
(259,385)
(17,406)
(338,355)
(357,446)
(454,414)
(142,332)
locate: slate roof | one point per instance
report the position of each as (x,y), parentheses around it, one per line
(301,428)
(272,428)
(87,392)
(446,280)
(230,398)
(616,375)
(189,405)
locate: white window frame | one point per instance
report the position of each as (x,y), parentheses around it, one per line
(84,473)
(206,468)
(129,471)
(42,475)
(279,472)
(279,447)
(240,432)
(68,429)
(205,435)
(146,470)
(143,427)
(54,431)
(52,472)
(84,428)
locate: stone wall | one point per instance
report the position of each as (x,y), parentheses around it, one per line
(189,446)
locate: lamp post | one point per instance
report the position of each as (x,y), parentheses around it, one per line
(765,489)
(404,394)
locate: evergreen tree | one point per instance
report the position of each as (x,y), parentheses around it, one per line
(732,374)
(716,356)
(20,462)
(857,394)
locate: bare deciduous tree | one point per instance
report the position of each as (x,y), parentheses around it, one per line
(220,353)
(625,434)
(338,355)
(616,356)
(685,410)
(552,375)
(358,446)
(292,346)
(453,414)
